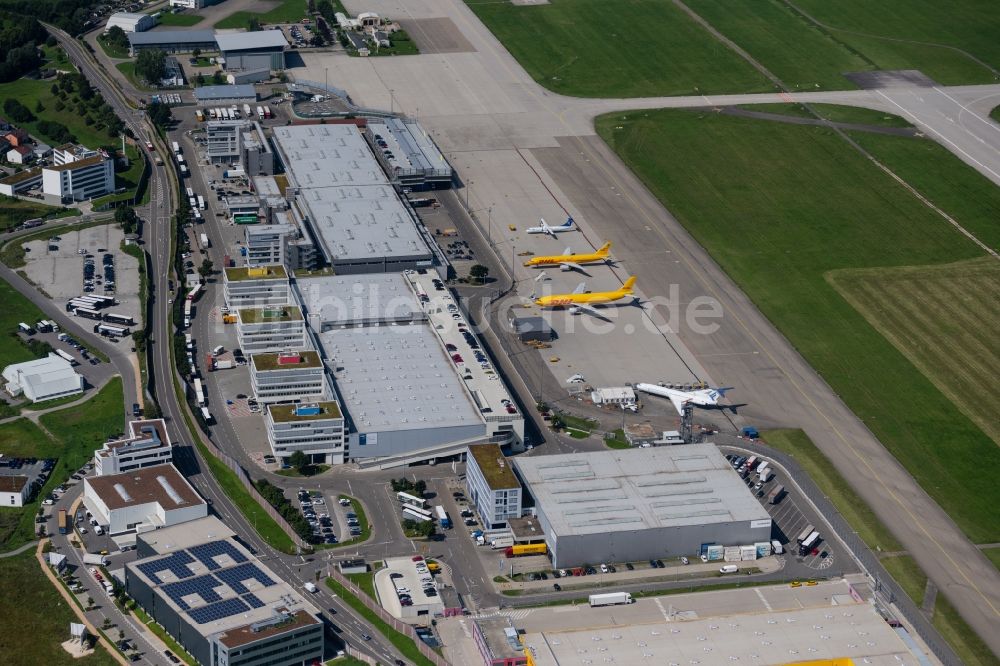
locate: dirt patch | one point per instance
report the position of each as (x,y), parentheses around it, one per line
(900,78)
(437,35)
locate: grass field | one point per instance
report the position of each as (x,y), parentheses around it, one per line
(78,431)
(835,487)
(17,308)
(570,47)
(772,225)
(128,69)
(834,113)
(34,618)
(15,211)
(129,179)
(111,50)
(30,92)
(289,11)
(994,556)
(963,640)
(55,57)
(400,641)
(944,319)
(169,18)
(908,574)
(995,114)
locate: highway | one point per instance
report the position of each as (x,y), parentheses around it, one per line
(157,242)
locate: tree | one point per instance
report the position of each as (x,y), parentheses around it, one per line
(299,461)
(126,217)
(218,79)
(16,111)
(59,105)
(479,272)
(139,338)
(117,38)
(121,635)
(90,602)
(253,25)
(420,487)
(159,114)
(196,52)
(199,80)
(206,269)
(151,65)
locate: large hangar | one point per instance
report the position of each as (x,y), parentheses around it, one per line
(640,504)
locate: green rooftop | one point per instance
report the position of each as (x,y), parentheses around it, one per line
(270,314)
(276,272)
(286,413)
(307,359)
(495,468)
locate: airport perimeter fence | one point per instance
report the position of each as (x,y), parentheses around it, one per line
(887,590)
(384,615)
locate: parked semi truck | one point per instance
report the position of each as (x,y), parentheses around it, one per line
(63,522)
(502,542)
(776,494)
(610,599)
(526,549)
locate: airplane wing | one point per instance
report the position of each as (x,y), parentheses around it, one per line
(679,403)
(547,229)
(580,288)
(567,252)
(593,312)
(569,265)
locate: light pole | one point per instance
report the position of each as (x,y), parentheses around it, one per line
(467,188)
(489,226)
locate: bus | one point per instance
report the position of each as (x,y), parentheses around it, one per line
(101,301)
(805,533)
(110,330)
(175,146)
(199,392)
(190,192)
(205,414)
(194,293)
(410,500)
(89,313)
(67,357)
(811,541)
(416,514)
(124,320)
(201,202)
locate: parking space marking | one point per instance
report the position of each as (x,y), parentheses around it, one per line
(659,604)
(763,599)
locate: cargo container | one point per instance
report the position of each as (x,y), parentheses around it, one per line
(526,549)
(610,599)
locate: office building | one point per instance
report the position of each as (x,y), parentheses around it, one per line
(256,155)
(21,182)
(264,49)
(43,379)
(294,376)
(266,243)
(142,500)
(316,429)
(76,178)
(130,22)
(640,504)
(272,328)
(14,490)
(256,286)
(222,140)
(222,604)
(145,444)
(493,489)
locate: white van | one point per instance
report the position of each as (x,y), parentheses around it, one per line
(776,545)
(310,587)
(218,350)
(728,569)
(98,530)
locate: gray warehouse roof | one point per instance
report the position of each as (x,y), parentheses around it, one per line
(171,37)
(249,41)
(397,378)
(372,298)
(208,93)
(633,489)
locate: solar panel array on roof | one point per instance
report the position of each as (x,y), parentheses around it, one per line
(208,552)
(234,577)
(252,599)
(203,586)
(218,610)
(176,563)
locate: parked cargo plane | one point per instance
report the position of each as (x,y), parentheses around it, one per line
(580,301)
(567,261)
(546,228)
(702,398)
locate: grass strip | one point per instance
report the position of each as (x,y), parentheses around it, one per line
(400,641)
(173,645)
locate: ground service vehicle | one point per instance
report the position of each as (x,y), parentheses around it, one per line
(610,599)
(728,569)
(95,559)
(63,522)
(776,494)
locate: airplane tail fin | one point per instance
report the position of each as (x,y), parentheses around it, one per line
(604,249)
(629,283)
(568,223)
(723,389)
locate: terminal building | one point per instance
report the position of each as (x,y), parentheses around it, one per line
(357,221)
(316,429)
(405,397)
(141,500)
(256,286)
(492,486)
(291,376)
(409,155)
(145,445)
(640,504)
(220,602)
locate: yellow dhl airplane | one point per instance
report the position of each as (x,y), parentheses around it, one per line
(567,261)
(579,301)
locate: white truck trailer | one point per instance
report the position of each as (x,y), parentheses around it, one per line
(610,599)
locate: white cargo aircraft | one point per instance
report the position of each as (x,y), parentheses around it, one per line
(702,398)
(546,228)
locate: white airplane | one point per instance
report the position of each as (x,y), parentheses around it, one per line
(702,398)
(546,228)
